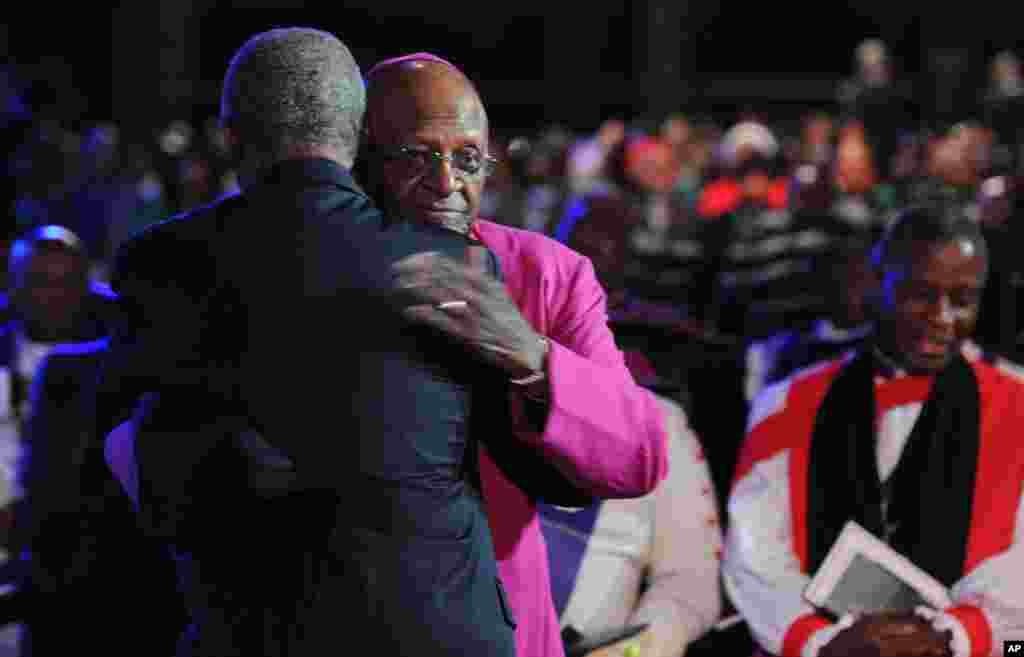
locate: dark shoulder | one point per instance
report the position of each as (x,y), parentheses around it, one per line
(194,226)
(176,239)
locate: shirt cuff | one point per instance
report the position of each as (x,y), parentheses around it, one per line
(800,632)
(821,637)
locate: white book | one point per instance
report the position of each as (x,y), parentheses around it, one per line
(862,574)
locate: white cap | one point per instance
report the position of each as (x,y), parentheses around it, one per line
(747,133)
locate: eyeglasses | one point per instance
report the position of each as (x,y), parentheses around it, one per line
(466,164)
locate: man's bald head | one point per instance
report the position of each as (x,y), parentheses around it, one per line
(421,85)
(426,141)
(395,62)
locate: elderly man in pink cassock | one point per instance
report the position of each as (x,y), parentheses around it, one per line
(573,405)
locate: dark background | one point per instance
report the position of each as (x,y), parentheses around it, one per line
(537,63)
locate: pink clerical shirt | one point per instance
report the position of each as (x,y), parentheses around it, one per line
(604,432)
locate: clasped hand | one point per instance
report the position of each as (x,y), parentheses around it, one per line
(489,324)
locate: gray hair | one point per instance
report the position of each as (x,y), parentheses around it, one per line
(294,87)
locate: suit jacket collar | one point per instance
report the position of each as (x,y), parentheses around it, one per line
(313,172)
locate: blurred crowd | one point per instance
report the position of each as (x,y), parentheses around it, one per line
(744,230)
(793,191)
(105,188)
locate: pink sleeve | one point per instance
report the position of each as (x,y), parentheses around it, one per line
(603,431)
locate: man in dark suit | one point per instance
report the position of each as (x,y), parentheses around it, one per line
(302,448)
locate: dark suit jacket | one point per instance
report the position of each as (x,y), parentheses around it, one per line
(268,318)
(77,531)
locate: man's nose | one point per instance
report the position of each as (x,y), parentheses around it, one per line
(441,177)
(942,312)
